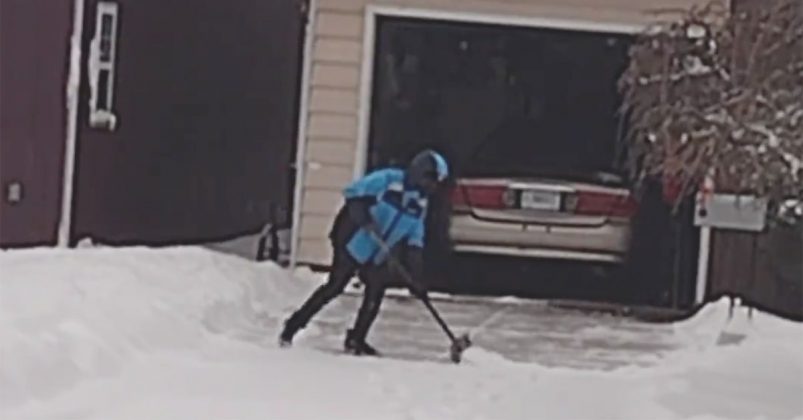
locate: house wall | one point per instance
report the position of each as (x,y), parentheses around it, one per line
(331,143)
(34,42)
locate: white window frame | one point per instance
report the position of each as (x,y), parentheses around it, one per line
(103,117)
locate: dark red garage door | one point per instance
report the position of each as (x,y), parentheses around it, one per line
(204,98)
(34,41)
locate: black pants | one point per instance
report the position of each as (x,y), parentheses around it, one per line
(343,269)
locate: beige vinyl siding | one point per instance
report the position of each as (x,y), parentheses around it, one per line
(339,51)
(332,125)
(322,176)
(330,75)
(315,225)
(336,153)
(336,61)
(350,6)
(347,24)
(322,201)
(333,100)
(315,251)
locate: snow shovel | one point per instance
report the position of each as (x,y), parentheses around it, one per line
(459,344)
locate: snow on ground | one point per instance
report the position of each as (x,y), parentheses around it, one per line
(105,333)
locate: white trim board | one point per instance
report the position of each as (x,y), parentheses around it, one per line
(503,19)
(70,142)
(369,50)
(703,258)
(366,91)
(704,250)
(301,141)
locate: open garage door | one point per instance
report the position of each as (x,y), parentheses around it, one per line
(497,100)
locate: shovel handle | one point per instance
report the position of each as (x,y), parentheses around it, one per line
(440,320)
(409,280)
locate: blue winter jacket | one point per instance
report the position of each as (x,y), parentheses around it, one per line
(398,211)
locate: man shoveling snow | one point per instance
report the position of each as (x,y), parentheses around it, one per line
(382,221)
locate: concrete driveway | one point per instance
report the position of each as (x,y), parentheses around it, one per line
(520,330)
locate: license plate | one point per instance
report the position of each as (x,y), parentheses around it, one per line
(540,200)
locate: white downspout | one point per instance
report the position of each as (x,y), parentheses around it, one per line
(705,248)
(73,84)
(702,264)
(301,141)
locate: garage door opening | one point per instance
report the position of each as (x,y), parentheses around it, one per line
(498,100)
(535,110)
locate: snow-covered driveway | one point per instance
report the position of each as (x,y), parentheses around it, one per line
(186,333)
(520,330)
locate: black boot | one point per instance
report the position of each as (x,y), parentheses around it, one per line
(357,346)
(372,299)
(286,337)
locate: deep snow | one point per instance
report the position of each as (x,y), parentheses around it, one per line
(176,333)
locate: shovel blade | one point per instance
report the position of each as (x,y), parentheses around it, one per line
(459,345)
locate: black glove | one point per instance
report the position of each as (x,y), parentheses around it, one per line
(359,211)
(414,263)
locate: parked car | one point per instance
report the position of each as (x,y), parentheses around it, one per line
(583,218)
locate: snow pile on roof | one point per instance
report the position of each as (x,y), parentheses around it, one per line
(185,333)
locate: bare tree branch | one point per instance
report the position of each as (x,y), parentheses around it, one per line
(720,93)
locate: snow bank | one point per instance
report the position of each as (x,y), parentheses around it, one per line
(726,322)
(744,362)
(66,316)
(186,333)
